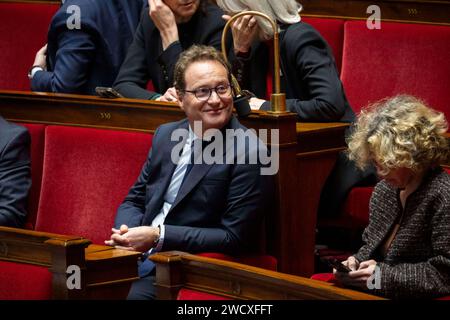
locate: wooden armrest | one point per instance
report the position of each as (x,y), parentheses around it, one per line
(110,271)
(33,247)
(106,272)
(176,270)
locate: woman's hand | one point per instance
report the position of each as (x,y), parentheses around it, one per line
(244,30)
(357,278)
(164,19)
(170,95)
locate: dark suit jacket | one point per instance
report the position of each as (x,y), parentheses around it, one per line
(310,78)
(147,61)
(80,60)
(218,207)
(15,173)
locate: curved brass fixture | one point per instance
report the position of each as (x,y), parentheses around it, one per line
(277,99)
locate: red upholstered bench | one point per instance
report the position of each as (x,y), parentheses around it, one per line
(398,58)
(19,281)
(23,31)
(87,173)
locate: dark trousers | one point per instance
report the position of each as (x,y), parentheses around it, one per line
(143,288)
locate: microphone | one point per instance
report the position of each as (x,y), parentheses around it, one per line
(240,99)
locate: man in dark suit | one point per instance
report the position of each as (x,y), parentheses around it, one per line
(87,43)
(167,28)
(206,206)
(15,173)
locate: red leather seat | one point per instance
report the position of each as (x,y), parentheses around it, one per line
(87,174)
(398,58)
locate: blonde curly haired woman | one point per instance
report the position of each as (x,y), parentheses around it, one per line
(407,241)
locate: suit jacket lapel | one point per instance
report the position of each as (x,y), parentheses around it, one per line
(198,171)
(167,168)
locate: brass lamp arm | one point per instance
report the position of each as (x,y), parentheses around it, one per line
(277,99)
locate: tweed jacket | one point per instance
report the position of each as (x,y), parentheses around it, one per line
(417,263)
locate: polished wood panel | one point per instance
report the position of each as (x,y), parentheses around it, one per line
(87,111)
(176,270)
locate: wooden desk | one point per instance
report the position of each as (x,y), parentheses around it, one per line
(307,152)
(176,270)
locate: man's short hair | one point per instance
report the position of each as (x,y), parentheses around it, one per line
(196,53)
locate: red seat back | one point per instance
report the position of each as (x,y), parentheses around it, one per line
(87,174)
(188,294)
(398,58)
(332,30)
(37,156)
(23,31)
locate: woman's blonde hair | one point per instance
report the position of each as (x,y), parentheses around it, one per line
(399,132)
(283,11)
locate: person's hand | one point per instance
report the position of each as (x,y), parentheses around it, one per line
(123,229)
(359,277)
(170,95)
(256,103)
(351,263)
(136,239)
(41,57)
(244,30)
(164,19)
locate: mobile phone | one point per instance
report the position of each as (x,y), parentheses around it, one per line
(336,264)
(107,92)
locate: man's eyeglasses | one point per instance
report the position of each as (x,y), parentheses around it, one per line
(203,94)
